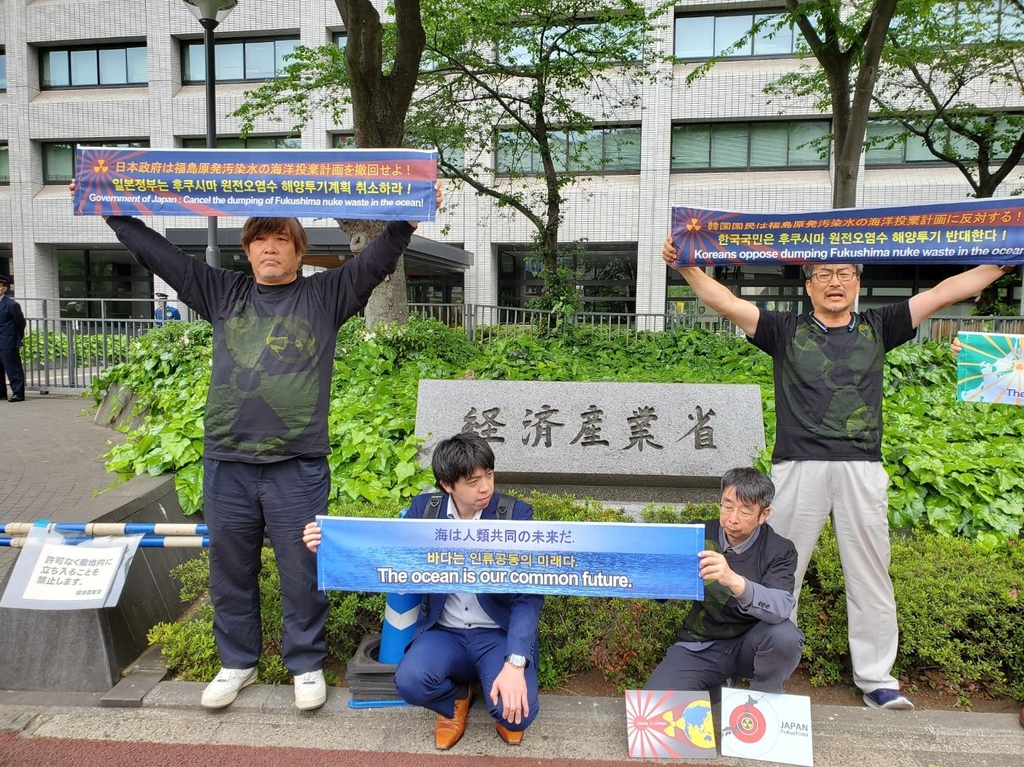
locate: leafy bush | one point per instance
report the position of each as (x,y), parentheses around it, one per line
(960,611)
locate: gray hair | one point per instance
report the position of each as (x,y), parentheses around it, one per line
(750,485)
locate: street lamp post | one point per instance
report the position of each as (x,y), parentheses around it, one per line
(211,13)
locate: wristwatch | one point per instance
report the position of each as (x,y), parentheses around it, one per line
(518,661)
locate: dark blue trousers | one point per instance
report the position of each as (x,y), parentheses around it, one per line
(10,365)
(441,660)
(241,499)
(767,655)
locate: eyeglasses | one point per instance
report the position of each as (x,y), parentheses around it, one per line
(726,510)
(825,277)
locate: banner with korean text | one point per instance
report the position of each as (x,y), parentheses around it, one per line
(377,184)
(439,556)
(989,231)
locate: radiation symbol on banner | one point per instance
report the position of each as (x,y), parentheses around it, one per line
(747,723)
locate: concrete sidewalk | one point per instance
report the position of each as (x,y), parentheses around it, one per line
(52,462)
(583,729)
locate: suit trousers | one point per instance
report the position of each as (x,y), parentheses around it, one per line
(241,500)
(853,494)
(10,365)
(442,660)
(766,654)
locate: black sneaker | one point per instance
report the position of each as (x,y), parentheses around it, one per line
(15,398)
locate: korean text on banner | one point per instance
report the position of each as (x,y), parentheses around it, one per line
(989,231)
(376,184)
(598,559)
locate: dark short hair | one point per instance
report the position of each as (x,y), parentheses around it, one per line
(460,456)
(750,485)
(260,225)
(809,268)
(4,281)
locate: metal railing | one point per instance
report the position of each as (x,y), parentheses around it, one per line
(483,322)
(65,354)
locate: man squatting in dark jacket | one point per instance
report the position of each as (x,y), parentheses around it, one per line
(265,445)
(462,638)
(742,628)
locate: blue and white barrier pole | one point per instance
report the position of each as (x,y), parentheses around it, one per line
(399,620)
(106,528)
(147,542)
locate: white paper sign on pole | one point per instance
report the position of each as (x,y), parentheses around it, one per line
(769,727)
(58,571)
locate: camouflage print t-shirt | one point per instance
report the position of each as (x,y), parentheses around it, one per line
(273,346)
(828,384)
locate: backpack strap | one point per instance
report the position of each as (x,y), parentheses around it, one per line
(433,506)
(505,504)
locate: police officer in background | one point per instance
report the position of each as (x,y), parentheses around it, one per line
(12,335)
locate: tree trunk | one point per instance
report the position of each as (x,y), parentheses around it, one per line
(388,302)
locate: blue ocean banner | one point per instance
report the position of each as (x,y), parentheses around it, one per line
(985,231)
(990,368)
(376,184)
(438,556)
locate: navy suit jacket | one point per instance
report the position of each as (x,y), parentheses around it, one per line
(516,614)
(12,324)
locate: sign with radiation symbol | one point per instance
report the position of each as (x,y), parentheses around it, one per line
(747,723)
(770,727)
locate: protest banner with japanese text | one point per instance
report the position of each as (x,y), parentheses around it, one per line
(489,556)
(989,231)
(376,184)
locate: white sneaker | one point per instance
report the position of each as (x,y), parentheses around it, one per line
(310,690)
(223,690)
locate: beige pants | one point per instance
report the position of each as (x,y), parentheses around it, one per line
(853,493)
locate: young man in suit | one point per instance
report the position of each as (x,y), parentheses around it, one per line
(461,639)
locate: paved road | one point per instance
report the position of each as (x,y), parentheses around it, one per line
(51,461)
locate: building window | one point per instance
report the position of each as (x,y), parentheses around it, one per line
(5,165)
(92,67)
(340,38)
(979,24)
(238,60)
(702,37)
(889,143)
(605,275)
(59,157)
(103,274)
(343,140)
(3,70)
(251,142)
(797,144)
(602,150)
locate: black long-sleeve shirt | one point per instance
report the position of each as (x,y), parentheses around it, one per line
(274,345)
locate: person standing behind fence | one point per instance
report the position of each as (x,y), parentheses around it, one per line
(12,335)
(827,460)
(163,311)
(265,445)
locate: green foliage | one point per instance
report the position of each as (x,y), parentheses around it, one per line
(960,609)
(954,467)
(109,349)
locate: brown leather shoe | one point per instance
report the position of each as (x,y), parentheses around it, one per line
(512,737)
(447,732)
